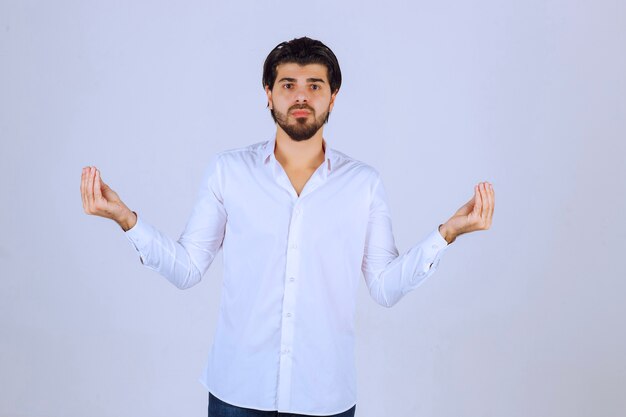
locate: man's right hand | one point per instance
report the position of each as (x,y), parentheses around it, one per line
(100,200)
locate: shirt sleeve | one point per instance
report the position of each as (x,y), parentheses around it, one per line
(185,261)
(388,275)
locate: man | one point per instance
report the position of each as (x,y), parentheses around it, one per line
(298,223)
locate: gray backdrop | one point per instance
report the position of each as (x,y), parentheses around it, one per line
(526,319)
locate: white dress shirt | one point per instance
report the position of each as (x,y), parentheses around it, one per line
(292,265)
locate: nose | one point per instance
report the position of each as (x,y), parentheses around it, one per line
(301,95)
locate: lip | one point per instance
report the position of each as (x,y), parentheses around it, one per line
(298,113)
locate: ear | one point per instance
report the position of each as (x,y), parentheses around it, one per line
(268,92)
(332,100)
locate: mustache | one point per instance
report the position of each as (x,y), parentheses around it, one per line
(301,107)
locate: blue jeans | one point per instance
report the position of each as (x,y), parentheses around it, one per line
(219,408)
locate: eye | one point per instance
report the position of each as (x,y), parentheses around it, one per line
(286,85)
(317,87)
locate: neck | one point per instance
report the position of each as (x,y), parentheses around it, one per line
(305,154)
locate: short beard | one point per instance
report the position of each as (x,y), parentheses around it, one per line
(301,130)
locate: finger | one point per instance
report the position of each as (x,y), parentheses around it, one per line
(492,202)
(97,191)
(83,181)
(485,200)
(90,187)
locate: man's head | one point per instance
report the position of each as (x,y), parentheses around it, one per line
(302,74)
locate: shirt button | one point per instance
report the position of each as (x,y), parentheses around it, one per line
(435,247)
(291,279)
(288,314)
(294,246)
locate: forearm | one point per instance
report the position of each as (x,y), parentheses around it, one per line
(171,259)
(405,272)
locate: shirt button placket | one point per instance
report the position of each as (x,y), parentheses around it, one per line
(289,307)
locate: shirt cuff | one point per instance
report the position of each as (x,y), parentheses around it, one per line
(442,240)
(435,245)
(140,236)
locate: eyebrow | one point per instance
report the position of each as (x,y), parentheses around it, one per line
(309,80)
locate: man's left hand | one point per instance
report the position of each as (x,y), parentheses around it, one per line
(475,215)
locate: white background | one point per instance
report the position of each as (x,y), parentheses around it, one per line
(526,319)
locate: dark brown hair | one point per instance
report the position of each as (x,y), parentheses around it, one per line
(302,51)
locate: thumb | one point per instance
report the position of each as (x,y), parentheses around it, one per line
(107,192)
(469,205)
(105,186)
(96,189)
(478,202)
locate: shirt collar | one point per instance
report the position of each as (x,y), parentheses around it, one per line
(267,154)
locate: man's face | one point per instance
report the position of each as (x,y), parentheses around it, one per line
(300,99)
